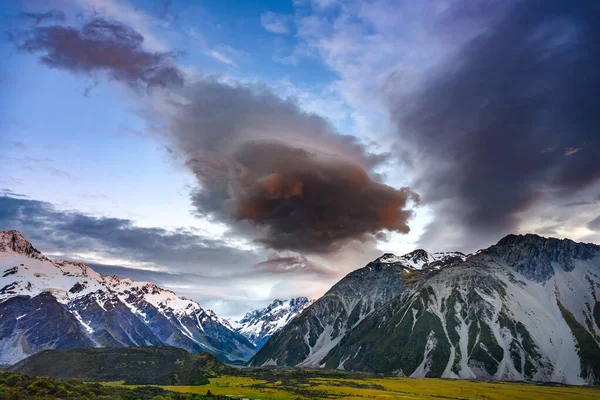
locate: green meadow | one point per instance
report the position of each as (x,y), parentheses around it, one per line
(284,387)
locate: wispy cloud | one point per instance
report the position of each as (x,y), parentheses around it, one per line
(130,15)
(18,145)
(225,53)
(594,224)
(276,23)
(569,151)
(74,233)
(221,52)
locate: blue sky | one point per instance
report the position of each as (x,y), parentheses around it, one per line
(76,144)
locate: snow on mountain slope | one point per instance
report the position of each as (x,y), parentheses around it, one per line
(420,258)
(306,339)
(259,325)
(90,310)
(527,308)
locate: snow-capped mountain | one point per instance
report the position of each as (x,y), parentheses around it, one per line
(306,339)
(259,325)
(54,304)
(527,308)
(420,258)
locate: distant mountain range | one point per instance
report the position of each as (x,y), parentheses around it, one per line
(527,308)
(54,304)
(259,325)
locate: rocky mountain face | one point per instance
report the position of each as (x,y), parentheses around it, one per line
(259,325)
(309,337)
(527,308)
(53,304)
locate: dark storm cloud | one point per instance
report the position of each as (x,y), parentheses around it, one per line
(100,46)
(73,232)
(507,119)
(264,163)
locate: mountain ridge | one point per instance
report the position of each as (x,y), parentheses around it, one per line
(260,324)
(526,308)
(49,304)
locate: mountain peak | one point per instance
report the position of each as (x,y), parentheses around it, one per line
(14,241)
(258,325)
(419,259)
(536,256)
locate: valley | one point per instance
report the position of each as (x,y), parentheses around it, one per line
(305,385)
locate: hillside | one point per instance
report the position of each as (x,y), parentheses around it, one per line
(156,365)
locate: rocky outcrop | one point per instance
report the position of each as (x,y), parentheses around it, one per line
(535,256)
(13,241)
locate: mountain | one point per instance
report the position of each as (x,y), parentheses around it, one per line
(259,325)
(423,260)
(156,365)
(306,339)
(54,304)
(527,308)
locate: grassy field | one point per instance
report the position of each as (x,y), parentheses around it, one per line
(282,387)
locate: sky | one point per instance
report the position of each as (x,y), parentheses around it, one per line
(237,152)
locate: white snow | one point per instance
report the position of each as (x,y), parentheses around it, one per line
(423,368)
(417,259)
(265,322)
(322,346)
(87,326)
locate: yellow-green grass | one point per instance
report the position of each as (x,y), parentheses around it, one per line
(384,388)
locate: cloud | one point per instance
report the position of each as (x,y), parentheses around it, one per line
(581,203)
(224,53)
(100,46)
(220,52)
(293,264)
(278,175)
(151,27)
(18,145)
(483,125)
(219,275)
(275,23)
(8,192)
(61,174)
(75,234)
(49,16)
(594,224)
(263,163)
